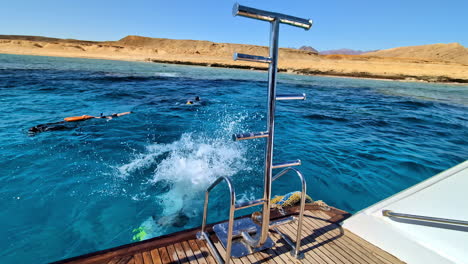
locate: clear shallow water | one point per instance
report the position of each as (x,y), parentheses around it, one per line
(66,193)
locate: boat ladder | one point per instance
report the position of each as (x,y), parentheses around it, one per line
(235,235)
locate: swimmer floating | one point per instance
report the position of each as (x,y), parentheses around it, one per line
(190,102)
(60,126)
(86,117)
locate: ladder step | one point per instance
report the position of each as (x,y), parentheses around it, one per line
(286,164)
(239,247)
(249,204)
(244,136)
(282,97)
(254,58)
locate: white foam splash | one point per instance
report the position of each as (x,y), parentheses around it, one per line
(188,165)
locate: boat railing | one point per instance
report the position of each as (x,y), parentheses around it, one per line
(389,213)
(296,248)
(203,234)
(261,240)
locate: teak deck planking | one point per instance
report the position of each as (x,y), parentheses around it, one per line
(323,242)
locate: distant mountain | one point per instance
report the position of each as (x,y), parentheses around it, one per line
(453,52)
(344,52)
(309,48)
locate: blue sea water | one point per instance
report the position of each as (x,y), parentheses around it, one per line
(87,187)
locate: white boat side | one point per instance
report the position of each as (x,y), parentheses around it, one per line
(444,195)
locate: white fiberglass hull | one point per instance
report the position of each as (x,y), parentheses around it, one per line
(444,195)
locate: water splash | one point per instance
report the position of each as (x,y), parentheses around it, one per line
(187,165)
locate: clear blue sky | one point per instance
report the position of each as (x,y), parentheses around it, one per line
(364,25)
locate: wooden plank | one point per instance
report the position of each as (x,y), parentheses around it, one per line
(196,251)
(249,259)
(155,256)
(113,261)
(147,257)
(335,247)
(276,258)
(374,257)
(138,258)
(222,251)
(203,248)
(322,228)
(285,253)
(164,255)
(311,256)
(131,261)
(124,260)
(280,249)
(244,260)
(311,245)
(181,254)
(359,253)
(263,257)
(283,250)
(120,260)
(189,252)
(314,244)
(172,254)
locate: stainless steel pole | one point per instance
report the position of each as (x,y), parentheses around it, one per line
(272,71)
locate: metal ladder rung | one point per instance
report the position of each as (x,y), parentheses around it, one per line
(252,135)
(271,16)
(286,164)
(282,97)
(248,204)
(254,58)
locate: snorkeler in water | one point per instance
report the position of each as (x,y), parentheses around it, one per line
(86,117)
(197,101)
(49,127)
(190,102)
(61,125)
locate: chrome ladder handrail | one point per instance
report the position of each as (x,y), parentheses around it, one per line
(297,254)
(204,235)
(275,19)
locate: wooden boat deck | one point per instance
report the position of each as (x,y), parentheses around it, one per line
(325,242)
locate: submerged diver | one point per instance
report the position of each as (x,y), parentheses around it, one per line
(60,125)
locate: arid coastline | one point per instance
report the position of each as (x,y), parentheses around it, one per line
(206,53)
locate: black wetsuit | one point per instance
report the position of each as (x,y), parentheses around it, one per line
(49,127)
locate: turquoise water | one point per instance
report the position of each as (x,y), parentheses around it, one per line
(85,188)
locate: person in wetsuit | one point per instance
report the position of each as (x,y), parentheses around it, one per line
(61,125)
(197,99)
(49,127)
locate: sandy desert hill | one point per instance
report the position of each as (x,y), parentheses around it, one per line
(453,52)
(418,67)
(207,48)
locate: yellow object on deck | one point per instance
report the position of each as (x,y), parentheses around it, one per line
(290,199)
